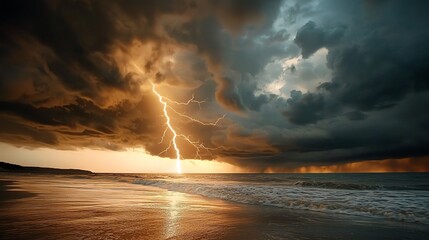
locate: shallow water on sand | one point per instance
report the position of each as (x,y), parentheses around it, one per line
(96,207)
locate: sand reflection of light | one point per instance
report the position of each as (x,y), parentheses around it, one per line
(174,213)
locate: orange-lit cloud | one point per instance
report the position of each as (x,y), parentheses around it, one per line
(420,164)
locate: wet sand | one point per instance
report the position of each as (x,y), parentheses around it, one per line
(75,207)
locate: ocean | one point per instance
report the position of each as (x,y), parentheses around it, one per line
(214,206)
(396,196)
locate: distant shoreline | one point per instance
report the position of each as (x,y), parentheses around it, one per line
(14,168)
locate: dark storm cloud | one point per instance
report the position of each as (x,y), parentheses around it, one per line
(66,79)
(83,112)
(237,14)
(355,115)
(372,70)
(304,108)
(311,38)
(372,107)
(63,86)
(80,124)
(279,36)
(229,55)
(378,72)
(25,135)
(76,35)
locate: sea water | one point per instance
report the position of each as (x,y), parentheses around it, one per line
(396,196)
(274,206)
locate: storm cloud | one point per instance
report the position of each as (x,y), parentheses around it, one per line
(302,83)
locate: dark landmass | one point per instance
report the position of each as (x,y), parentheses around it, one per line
(8,167)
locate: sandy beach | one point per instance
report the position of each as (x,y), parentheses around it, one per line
(78,207)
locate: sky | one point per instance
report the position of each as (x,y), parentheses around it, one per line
(245,85)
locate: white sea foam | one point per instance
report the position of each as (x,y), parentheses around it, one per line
(408,206)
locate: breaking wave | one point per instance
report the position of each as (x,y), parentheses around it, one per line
(336,185)
(330,197)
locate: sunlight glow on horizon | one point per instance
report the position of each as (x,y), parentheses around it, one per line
(134,160)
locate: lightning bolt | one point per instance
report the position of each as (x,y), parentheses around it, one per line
(192,100)
(196,120)
(168,122)
(196,144)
